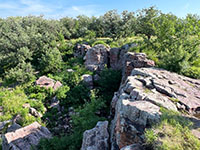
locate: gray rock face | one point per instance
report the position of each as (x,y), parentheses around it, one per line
(96,58)
(55,103)
(135,60)
(131,118)
(34,112)
(136,105)
(46,82)
(25,138)
(4,123)
(80,50)
(96,138)
(116,56)
(176,88)
(132,147)
(13,127)
(88,79)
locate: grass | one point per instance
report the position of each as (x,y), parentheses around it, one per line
(172,133)
(146,90)
(174,99)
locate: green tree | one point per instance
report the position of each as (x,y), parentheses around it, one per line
(145,21)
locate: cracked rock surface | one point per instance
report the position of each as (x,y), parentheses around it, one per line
(136,105)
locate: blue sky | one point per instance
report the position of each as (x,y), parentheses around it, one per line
(60,8)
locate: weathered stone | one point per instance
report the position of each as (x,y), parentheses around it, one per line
(96,77)
(135,60)
(34,112)
(132,147)
(80,50)
(97,58)
(184,91)
(13,127)
(70,70)
(48,83)
(25,138)
(55,103)
(4,123)
(45,82)
(131,118)
(88,80)
(96,138)
(57,85)
(116,56)
(17,119)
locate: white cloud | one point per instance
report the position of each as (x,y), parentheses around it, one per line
(49,10)
(88,10)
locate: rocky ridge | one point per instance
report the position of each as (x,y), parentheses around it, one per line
(143,91)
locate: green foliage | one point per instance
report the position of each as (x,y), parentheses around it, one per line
(145,21)
(100,42)
(12,102)
(173,133)
(51,61)
(109,83)
(22,73)
(61,92)
(84,119)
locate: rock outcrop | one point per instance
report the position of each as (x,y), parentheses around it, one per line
(25,138)
(97,58)
(143,91)
(116,56)
(134,60)
(88,80)
(46,82)
(96,138)
(136,105)
(80,50)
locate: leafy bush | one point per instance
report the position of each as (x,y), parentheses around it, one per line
(22,73)
(51,61)
(100,42)
(12,102)
(84,119)
(108,84)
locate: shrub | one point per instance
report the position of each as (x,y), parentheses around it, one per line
(100,42)
(22,73)
(108,84)
(84,119)
(51,61)
(12,102)
(173,133)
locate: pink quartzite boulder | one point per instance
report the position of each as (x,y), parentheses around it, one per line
(96,138)
(97,58)
(46,82)
(25,138)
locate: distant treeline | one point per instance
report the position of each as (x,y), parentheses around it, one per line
(29,44)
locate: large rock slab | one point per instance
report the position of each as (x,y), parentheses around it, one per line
(130,121)
(96,58)
(96,138)
(46,82)
(25,138)
(180,90)
(134,60)
(137,103)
